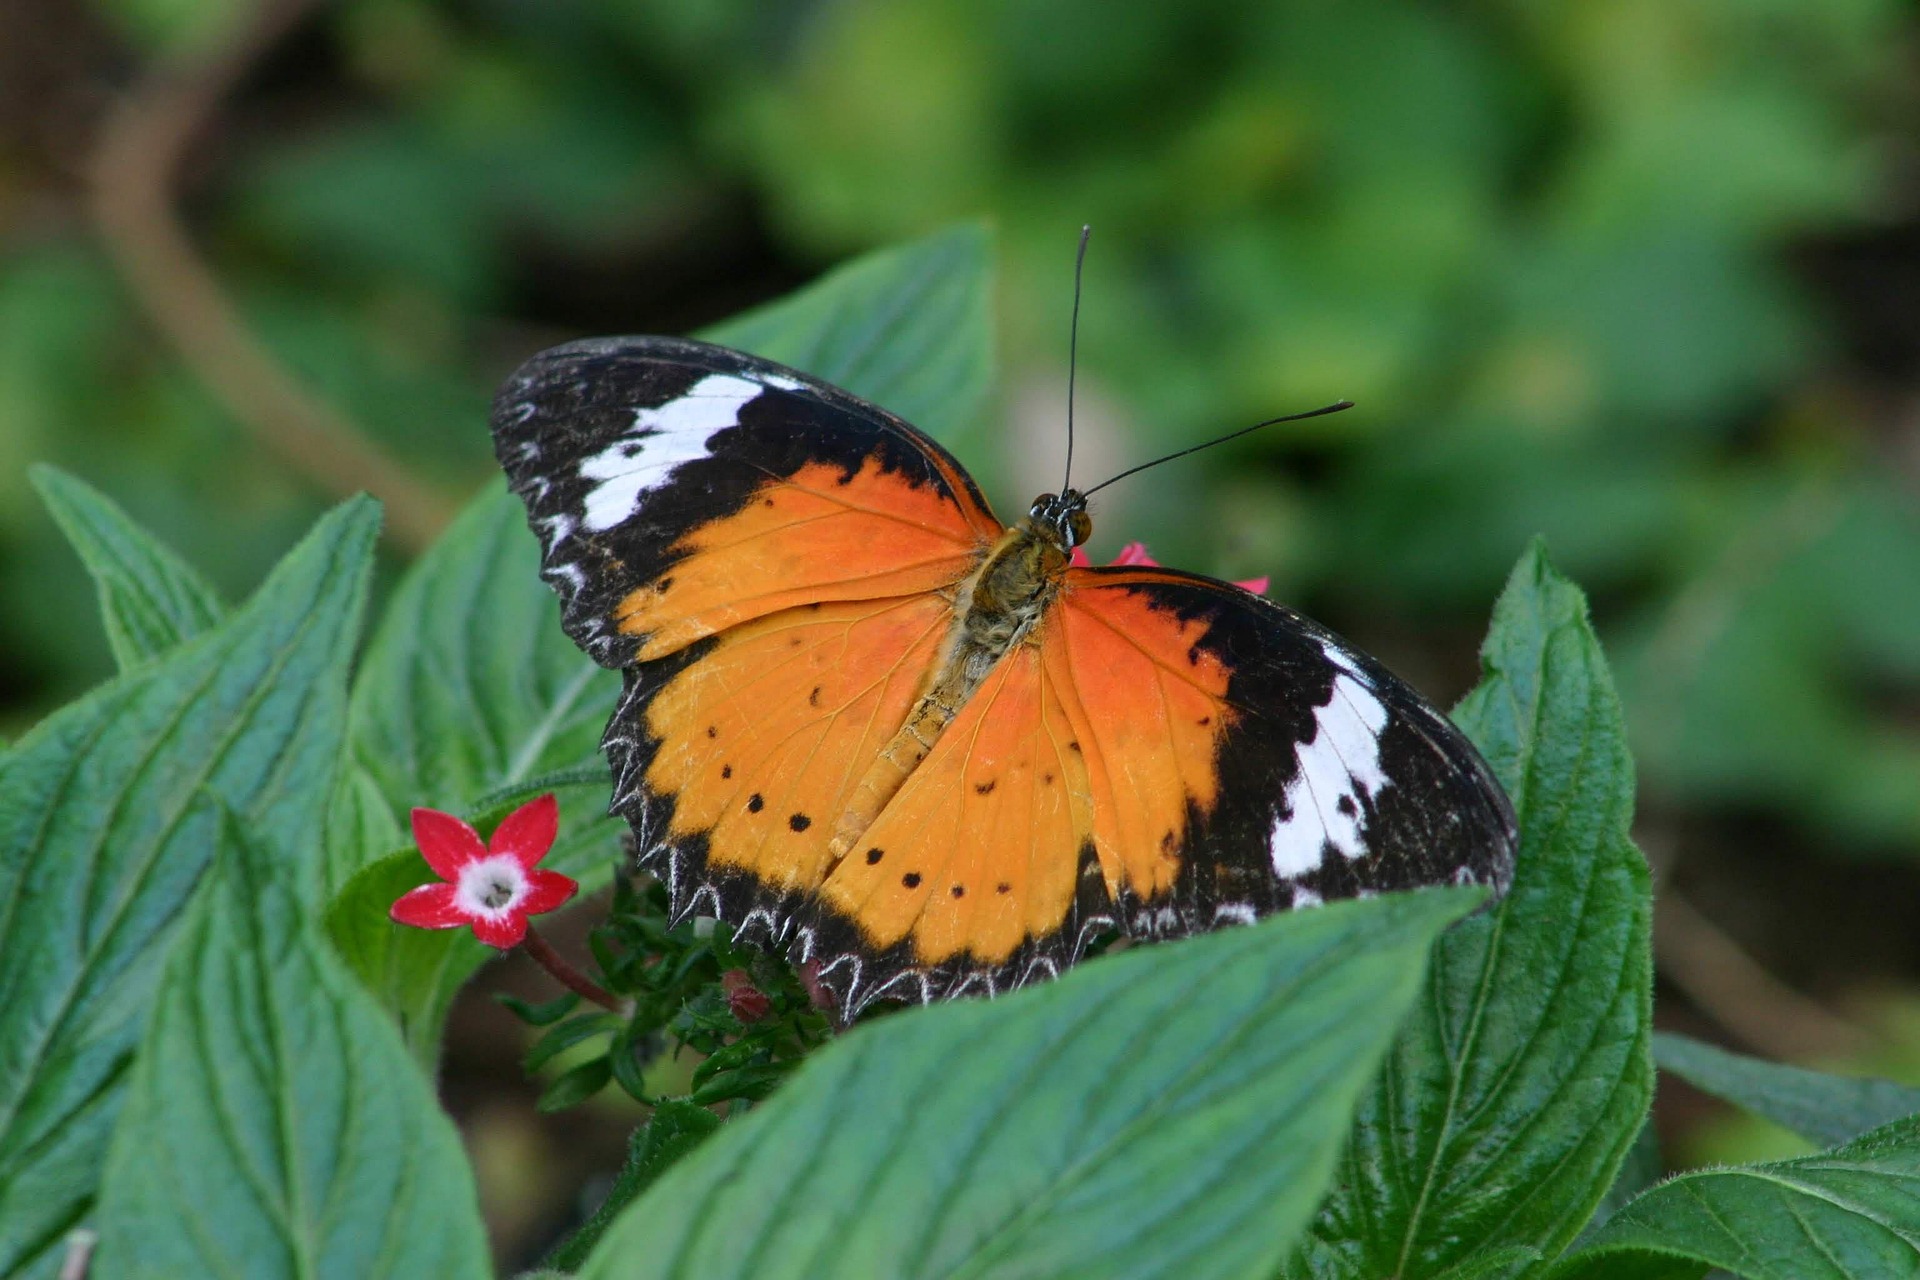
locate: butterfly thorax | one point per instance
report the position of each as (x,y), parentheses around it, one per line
(1001,599)
(997,606)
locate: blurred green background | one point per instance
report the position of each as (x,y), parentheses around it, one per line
(1637,274)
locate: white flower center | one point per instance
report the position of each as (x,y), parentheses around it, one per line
(491,886)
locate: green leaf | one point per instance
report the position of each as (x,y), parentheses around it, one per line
(1852,1213)
(1173,1110)
(571,1088)
(544,1014)
(567,1035)
(1520,1081)
(150,599)
(101,847)
(274,1125)
(676,1128)
(909,328)
(1827,1109)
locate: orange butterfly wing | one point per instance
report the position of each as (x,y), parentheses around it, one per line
(680,488)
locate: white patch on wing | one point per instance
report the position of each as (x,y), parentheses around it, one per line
(661,439)
(1342,659)
(1339,764)
(782,382)
(1304,897)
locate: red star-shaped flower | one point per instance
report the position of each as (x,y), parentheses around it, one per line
(1136,553)
(494,886)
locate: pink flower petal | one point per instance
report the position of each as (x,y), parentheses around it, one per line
(1256,585)
(545,891)
(446,842)
(504,932)
(1077,558)
(527,833)
(1135,553)
(431,906)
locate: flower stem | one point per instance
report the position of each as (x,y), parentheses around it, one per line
(565,974)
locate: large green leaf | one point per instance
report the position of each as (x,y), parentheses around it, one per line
(470,687)
(1174,1110)
(274,1125)
(1852,1213)
(1521,1079)
(150,599)
(1828,1109)
(100,848)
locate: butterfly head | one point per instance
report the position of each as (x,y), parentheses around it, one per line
(1062,518)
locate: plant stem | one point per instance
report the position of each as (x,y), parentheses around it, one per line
(565,974)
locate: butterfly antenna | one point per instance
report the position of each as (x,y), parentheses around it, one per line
(1073,349)
(1336,407)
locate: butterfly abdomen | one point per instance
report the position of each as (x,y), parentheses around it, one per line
(997,606)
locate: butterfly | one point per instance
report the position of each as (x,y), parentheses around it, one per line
(926,751)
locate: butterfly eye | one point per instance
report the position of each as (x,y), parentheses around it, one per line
(1081,526)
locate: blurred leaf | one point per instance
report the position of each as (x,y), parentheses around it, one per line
(58,313)
(150,599)
(101,845)
(1519,1084)
(172,26)
(1671,325)
(871,94)
(1846,1214)
(1766,679)
(380,200)
(273,1124)
(1827,1109)
(1108,1124)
